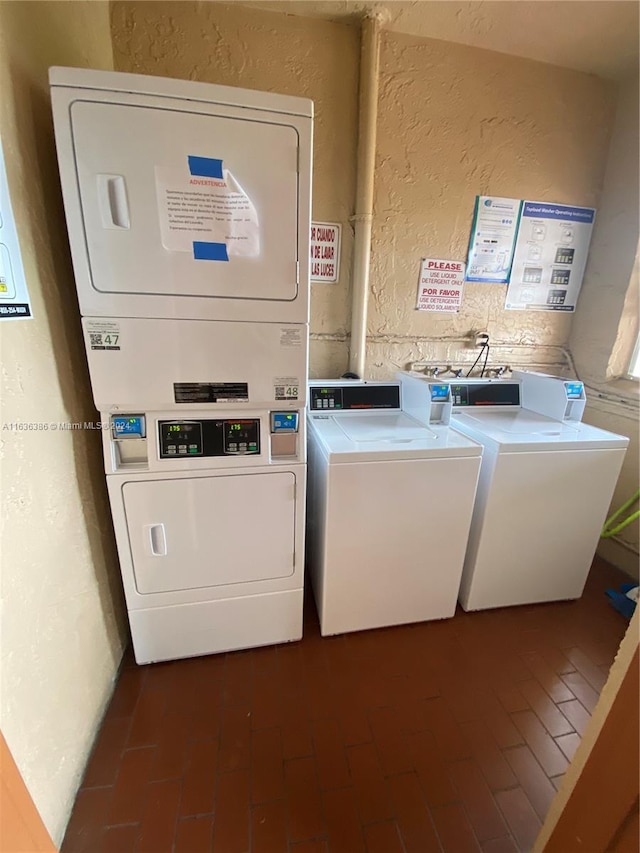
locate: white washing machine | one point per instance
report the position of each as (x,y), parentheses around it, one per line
(545,486)
(208,511)
(389,506)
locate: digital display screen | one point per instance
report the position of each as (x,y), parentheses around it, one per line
(574,390)
(491,394)
(439,393)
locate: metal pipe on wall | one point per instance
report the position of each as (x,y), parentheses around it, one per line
(363,218)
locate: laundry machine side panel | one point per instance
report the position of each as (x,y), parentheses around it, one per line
(541,525)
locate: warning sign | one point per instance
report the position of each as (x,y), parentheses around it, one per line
(325,251)
(440,285)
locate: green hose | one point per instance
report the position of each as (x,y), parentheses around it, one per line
(608,531)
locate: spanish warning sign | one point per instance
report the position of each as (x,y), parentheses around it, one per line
(440,285)
(325,251)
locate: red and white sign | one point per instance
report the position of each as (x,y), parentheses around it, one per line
(440,286)
(325,251)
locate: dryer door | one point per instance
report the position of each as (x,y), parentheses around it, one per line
(210,531)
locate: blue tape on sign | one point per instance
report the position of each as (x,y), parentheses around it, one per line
(210,252)
(205,167)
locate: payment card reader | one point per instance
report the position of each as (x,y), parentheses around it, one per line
(284,434)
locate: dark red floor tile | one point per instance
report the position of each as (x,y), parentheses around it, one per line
(120,839)
(569,744)
(107,753)
(268,828)
(412,814)
(541,743)
(130,788)
(589,670)
(266,705)
(318,845)
(343,824)
(532,778)
(205,711)
(370,788)
(431,771)
(296,732)
(500,845)
(447,733)
(581,689)
(231,827)
(198,787)
(90,814)
(126,692)
(235,738)
(194,835)
(238,684)
(479,804)
(454,829)
(577,715)
(171,751)
(383,838)
(490,759)
(304,808)
(331,758)
(393,750)
(519,814)
(147,719)
(511,699)
(158,827)
(548,675)
(547,712)
(267,766)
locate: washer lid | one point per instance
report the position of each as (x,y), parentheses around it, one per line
(520,430)
(381,437)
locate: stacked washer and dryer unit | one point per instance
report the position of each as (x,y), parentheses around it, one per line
(188,210)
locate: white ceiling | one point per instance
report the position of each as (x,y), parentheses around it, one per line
(596,36)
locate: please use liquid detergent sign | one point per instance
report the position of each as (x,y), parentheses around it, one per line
(440,286)
(325,251)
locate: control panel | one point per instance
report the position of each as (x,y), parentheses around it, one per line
(575,390)
(209,437)
(499,393)
(284,422)
(345,397)
(439,393)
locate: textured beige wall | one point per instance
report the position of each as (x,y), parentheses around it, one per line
(61,639)
(235,46)
(454,122)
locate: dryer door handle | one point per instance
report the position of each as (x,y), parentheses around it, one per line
(112,201)
(156,540)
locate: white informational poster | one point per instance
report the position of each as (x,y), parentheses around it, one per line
(441,285)
(204,210)
(550,257)
(14,297)
(325,251)
(493,237)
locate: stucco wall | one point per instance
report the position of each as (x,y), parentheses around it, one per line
(62,618)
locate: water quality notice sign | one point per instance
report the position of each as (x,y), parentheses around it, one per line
(325,251)
(440,286)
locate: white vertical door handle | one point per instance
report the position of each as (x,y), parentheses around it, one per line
(113,202)
(156,540)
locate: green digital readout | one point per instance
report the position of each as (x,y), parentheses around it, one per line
(235,426)
(174,427)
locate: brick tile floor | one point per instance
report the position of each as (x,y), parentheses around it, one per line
(442,736)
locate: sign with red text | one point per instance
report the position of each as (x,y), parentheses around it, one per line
(325,251)
(440,286)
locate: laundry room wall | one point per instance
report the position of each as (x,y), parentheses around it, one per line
(605,325)
(454,121)
(62,614)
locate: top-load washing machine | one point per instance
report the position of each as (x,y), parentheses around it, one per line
(389,505)
(545,485)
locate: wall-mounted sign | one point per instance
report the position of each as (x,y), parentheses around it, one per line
(440,286)
(550,257)
(14,298)
(493,237)
(325,251)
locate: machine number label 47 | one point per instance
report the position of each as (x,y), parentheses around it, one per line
(103,335)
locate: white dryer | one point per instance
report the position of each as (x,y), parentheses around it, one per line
(545,485)
(389,506)
(208,511)
(184,200)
